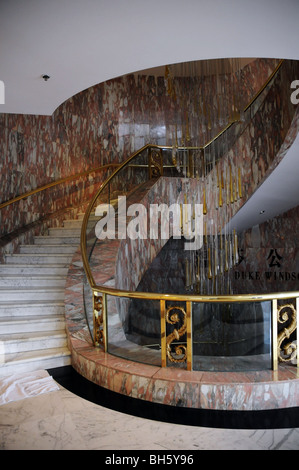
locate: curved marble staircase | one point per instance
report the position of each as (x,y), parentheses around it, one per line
(32,312)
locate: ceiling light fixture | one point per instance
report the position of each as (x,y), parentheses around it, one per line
(46,77)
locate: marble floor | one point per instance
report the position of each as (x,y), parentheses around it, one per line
(61,420)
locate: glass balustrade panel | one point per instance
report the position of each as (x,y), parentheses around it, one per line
(134,337)
(231,336)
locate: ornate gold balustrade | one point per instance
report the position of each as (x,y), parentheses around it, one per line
(174,351)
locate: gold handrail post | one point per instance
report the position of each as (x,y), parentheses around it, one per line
(163,333)
(105,322)
(100,320)
(189,336)
(274,330)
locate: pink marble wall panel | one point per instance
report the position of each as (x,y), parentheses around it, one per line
(135,256)
(259,149)
(102,124)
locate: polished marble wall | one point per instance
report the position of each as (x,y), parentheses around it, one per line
(261,146)
(100,125)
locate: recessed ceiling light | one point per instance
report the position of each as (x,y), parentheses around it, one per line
(262,212)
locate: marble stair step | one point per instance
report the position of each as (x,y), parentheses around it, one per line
(29,293)
(32,311)
(24,269)
(61,231)
(52,240)
(32,341)
(93,218)
(26,324)
(81,215)
(32,308)
(34,360)
(77,223)
(38,258)
(48,249)
(30,280)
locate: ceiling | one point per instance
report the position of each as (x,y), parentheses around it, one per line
(80,43)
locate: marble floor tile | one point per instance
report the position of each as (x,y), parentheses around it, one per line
(60,420)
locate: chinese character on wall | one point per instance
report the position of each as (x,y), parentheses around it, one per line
(274,258)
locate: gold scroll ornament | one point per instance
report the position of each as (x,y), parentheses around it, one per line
(98,324)
(287,352)
(155,163)
(172,317)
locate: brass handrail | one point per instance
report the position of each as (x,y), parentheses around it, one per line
(265,85)
(55,183)
(235,298)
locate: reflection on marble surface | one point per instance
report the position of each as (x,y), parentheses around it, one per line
(62,421)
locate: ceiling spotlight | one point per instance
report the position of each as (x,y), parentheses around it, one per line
(46,77)
(262,212)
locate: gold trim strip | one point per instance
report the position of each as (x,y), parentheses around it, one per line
(265,84)
(163,333)
(197,298)
(274,330)
(189,336)
(55,183)
(100,335)
(105,326)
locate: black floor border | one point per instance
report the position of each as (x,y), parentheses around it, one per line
(68,378)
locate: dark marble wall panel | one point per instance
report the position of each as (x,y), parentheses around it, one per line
(269,256)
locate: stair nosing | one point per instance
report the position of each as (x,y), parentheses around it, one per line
(32,318)
(35,355)
(33,303)
(37,288)
(32,336)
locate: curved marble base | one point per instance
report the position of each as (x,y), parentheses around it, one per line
(261,390)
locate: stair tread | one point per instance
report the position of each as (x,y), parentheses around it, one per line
(35,355)
(60,245)
(33,303)
(29,288)
(32,319)
(55,236)
(28,255)
(33,335)
(48,302)
(30,266)
(50,277)
(65,229)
